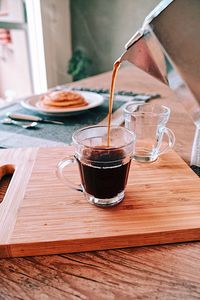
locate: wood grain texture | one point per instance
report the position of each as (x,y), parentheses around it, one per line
(162,205)
(164,272)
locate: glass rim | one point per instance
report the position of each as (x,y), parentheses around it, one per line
(104,127)
(166,110)
(110,163)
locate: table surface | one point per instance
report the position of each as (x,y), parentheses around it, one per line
(156,272)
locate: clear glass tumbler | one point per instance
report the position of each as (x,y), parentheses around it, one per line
(148,122)
(103,169)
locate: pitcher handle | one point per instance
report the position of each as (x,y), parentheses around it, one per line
(59,172)
(171,140)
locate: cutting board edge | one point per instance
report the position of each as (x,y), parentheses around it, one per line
(97,244)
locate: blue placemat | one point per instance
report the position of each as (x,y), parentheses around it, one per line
(51,134)
(58,133)
(63,133)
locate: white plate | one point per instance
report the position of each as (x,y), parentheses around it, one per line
(93,100)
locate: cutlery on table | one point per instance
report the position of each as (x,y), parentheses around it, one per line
(8,121)
(21,117)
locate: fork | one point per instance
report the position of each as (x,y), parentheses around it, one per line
(8,121)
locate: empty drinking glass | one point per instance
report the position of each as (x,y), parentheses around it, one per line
(149,124)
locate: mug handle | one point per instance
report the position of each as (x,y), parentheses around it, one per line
(59,172)
(171,140)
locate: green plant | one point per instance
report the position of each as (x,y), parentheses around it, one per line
(79,65)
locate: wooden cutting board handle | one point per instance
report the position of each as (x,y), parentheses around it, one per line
(19,163)
(6,170)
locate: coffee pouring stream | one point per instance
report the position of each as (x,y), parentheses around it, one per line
(167,47)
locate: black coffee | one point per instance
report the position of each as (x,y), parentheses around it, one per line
(107,175)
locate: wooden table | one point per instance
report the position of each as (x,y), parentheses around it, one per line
(156,272)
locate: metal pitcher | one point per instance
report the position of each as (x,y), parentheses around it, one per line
(169,36)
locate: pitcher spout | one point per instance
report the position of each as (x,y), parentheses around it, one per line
(144,52)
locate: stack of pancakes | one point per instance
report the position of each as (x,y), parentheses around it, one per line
(62,100)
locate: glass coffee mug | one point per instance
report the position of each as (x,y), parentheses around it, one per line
(148,122)
(103,169)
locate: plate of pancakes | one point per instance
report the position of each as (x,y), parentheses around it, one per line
(63,102)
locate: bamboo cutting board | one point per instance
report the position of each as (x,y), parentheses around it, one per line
(39,215)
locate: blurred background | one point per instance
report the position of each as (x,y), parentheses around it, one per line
(44,43)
